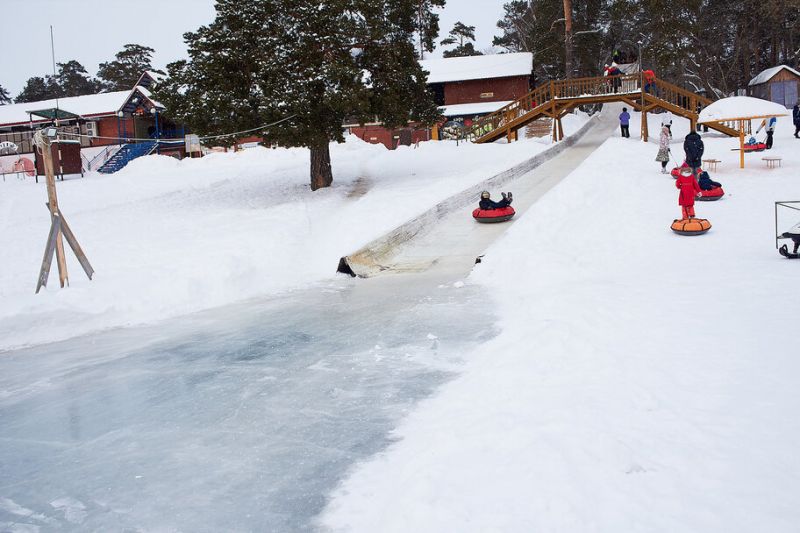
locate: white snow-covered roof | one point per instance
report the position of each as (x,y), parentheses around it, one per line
(472,109)
(765,75)
(740,107)
(478,67)
(85,106)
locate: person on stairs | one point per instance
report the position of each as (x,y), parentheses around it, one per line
(624,122)
(663,149)
(769,125)
(487,203)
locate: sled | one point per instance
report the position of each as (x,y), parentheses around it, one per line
(488,216)
(690,226)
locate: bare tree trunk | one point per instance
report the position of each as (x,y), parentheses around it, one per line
(568,38)
(321,175)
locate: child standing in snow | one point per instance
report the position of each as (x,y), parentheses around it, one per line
(663,149)
(689,188)
(624,122)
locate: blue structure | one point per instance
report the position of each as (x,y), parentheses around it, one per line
(126,154)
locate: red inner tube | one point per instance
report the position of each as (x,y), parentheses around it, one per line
(716,192)
(493,213)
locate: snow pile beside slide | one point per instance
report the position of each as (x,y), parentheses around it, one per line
(642,382)
(168,237)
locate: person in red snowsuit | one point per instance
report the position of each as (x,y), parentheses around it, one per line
(689,188)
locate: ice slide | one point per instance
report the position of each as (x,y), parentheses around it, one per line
(445,239)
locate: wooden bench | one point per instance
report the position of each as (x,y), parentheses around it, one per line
(712,164)
(771,161)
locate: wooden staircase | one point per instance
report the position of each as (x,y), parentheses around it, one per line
(556,98)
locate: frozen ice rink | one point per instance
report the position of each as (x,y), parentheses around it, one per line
(239,419)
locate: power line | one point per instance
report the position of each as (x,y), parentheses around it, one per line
(209,137)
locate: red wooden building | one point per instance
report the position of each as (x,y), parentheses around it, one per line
(464,88)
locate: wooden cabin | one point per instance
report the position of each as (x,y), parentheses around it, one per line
(779,84)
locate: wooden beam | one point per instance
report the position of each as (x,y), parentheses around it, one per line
(47,154)
(645,130)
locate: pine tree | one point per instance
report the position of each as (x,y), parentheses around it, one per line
(5,98)
(37,89)
(463,35)
(73,80)
(317,62)
(127,67)
(427,24)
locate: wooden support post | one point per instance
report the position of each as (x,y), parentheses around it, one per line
(645,131)
(553,109)
(52,201)
(693,113)
(741,144)
(58,226)
(560,129)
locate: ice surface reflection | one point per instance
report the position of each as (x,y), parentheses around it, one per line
(239,419)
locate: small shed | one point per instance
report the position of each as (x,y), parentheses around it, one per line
(779,84)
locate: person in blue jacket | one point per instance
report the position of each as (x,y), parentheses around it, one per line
(796,119)
(624,122)
(768,124)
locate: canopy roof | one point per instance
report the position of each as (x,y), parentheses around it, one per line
(740,108)
(54,113)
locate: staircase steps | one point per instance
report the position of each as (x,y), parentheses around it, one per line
(126,154)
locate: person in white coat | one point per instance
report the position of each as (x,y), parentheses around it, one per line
(666,120)
(769,124)
(663,149)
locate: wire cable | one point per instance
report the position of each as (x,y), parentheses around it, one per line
(209,137)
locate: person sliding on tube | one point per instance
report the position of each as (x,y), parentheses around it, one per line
(487,203)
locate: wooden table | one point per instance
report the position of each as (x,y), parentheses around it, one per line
(712,164)
(771,161)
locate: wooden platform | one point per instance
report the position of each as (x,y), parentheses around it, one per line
(554,99)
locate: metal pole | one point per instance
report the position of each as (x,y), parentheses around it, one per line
(158,134)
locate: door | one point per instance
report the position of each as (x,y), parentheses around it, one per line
(790,93)
(778,90)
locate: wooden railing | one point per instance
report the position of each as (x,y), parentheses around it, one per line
(550,98)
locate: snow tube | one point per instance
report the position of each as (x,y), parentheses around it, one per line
(676,172)
(493,215)
(691,226)
(711,195)
(757,147)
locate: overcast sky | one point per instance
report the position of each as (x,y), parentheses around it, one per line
(92,31)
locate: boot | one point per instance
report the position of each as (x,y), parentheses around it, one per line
(510,197)
(503,195)
(784,251)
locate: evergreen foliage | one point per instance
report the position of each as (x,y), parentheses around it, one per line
(73,80)
(128,65)
(319,62)
(5,98)
(38,88)
(427,24)
(464,37)
(711,45)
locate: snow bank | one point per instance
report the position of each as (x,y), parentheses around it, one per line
(168,237)
(642,382)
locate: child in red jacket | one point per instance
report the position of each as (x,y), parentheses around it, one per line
(689,188)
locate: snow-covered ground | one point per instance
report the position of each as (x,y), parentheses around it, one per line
(642,381)
(169,237)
